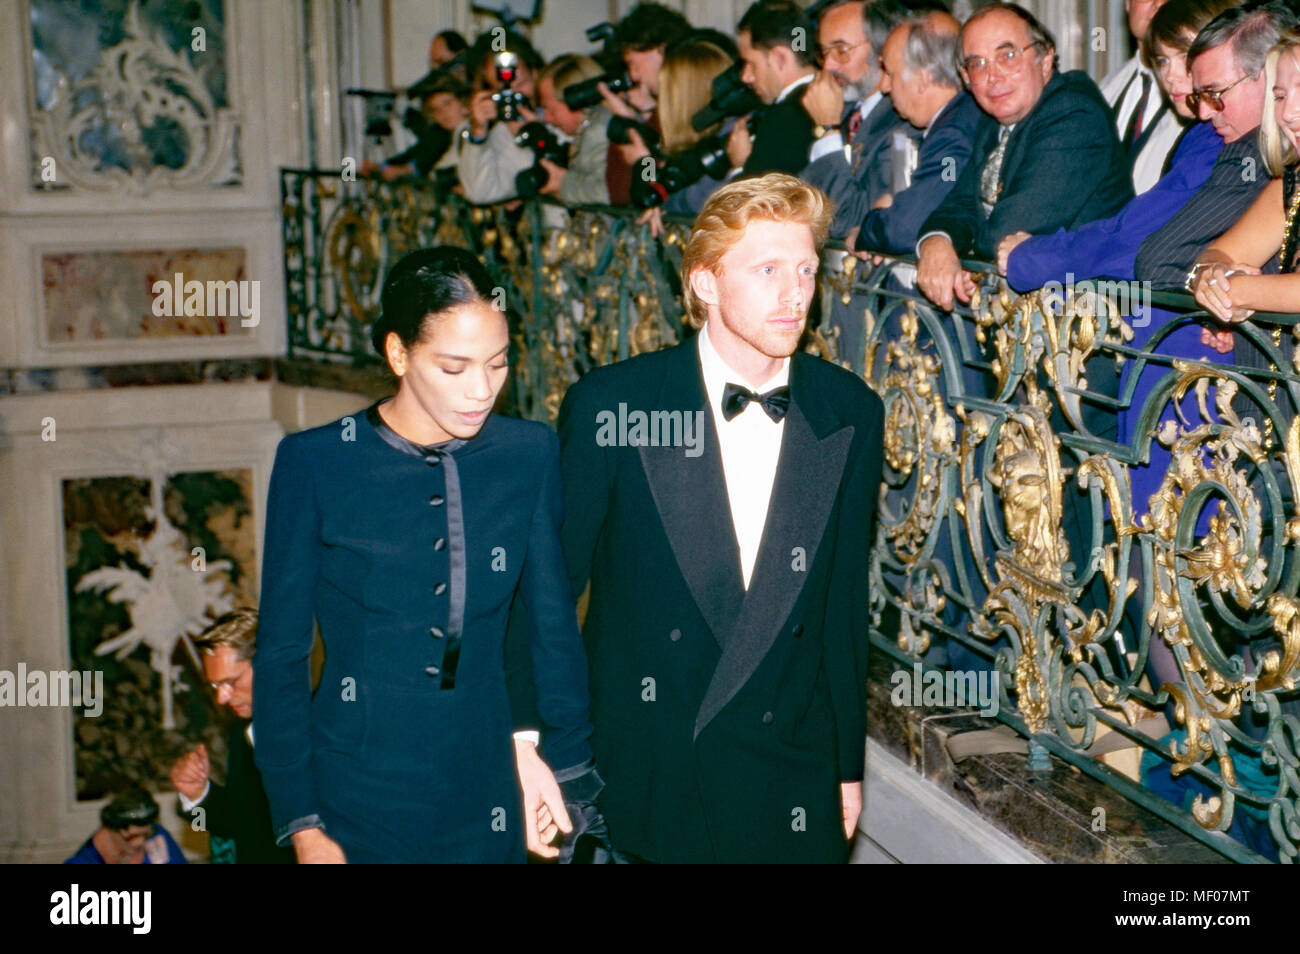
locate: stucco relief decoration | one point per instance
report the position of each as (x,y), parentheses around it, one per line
(139,105)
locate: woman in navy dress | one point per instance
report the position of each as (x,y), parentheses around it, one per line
(405,533)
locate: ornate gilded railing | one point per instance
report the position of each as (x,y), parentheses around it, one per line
(1011,542)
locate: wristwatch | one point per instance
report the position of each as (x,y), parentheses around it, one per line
(819,130)
(1190,282)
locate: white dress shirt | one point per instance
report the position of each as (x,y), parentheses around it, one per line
(1123,90)
(751,445)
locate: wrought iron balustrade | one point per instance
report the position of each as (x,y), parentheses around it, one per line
(1010,537)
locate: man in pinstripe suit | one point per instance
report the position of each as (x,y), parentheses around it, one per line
(1227,66)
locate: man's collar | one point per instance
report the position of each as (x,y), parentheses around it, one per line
(801,81)
(942,109)
(871,102)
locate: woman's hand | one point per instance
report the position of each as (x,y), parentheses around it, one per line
(545,816)
(314,847)
(1006,247)
(1213,291)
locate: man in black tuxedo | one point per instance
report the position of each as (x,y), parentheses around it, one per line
(775,42)
(727,550)
(237,811)
(1045,157)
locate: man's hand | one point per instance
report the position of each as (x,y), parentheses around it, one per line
(851,800)
(617,104)
(823,99)
(314,847)
(739,144)
(1221,341)
(389,173)
(554,176)
(1006,247)
(641,98)
(939,274)
(545,816)
(655,219)
(481,113)
(884,202)
(191,772)
(634,151)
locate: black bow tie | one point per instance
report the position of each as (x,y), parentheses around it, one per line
(736,398)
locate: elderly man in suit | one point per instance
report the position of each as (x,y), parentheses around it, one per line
(1045,157)
(920,79)
(728,615)
(852,159)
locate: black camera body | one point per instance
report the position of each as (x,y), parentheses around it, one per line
(681,169)
(508,100)
(544,144)
(731,97)
(585,95)
(620,126)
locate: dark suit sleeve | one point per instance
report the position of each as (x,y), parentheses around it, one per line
(281,669)
(783,138)
(958,212)
(1166,256)
(896,229)
(846,637)
(585,469)
(558,658)
(1069,152)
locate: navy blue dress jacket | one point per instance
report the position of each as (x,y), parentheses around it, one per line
(409,558)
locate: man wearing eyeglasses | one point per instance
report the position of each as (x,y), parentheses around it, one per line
(1046,155)
(1226,61)
(851,160)
(236,812)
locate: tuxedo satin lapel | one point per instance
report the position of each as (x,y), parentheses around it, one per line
(808,474)
(690,494)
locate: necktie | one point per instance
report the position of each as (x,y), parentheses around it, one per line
(1139,113)
(736,398)
(990,186)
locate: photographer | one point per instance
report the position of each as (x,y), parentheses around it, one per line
(583,182)
(775,46)
(442,111)
(695,161)
(642,37)
(490,159)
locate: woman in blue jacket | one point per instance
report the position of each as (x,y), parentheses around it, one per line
(405,533)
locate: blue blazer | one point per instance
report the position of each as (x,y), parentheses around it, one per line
(1108,248)
(943,155)
(409,558)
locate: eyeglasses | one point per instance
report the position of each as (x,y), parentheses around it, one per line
(1007,61)
(230,683)
(1212,97)
(839,50)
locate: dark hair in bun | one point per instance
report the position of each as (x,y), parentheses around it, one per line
(424,284)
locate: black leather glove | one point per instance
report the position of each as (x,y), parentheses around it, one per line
(588,843)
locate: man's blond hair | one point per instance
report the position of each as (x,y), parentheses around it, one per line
(236,629)
(775,197)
